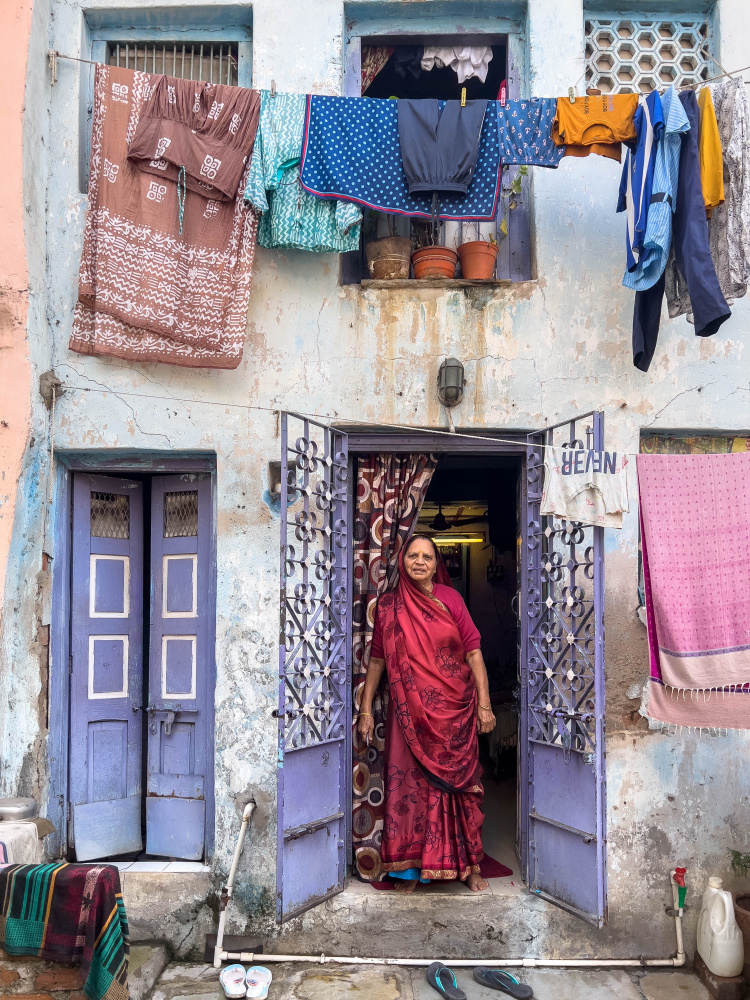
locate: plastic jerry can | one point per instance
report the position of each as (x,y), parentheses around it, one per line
(720,943)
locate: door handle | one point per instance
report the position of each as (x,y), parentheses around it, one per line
(514,605)
(168,723)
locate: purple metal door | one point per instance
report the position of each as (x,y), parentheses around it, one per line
(180,714)
(562,706)
(106,666)
(314,712)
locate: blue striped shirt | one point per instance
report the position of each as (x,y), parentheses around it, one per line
(638,174)
(653,256)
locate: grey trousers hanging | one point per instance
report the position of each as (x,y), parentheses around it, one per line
(439,149)
(692,254)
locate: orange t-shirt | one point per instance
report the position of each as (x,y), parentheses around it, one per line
(602,120)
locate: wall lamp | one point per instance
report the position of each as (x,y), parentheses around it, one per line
(451,382)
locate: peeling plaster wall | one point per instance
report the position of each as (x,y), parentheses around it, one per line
(535,353)
(24,354)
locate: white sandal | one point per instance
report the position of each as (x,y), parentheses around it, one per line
(258,980)
(232,981)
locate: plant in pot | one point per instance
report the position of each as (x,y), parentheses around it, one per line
(430,260)
(388,257)
(478,257)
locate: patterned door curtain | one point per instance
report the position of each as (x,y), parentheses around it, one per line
(390,492)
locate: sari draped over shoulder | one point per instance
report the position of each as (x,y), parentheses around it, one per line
(433,816)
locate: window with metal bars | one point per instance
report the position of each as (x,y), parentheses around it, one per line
(186,60)
(627,56)
(206,42)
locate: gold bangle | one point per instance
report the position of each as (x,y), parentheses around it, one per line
(485,708)
(366,713)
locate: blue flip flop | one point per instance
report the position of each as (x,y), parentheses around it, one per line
(497,979)
(441,978)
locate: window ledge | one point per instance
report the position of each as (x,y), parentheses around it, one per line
(414,283)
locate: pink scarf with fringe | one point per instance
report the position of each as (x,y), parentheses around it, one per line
(695,535)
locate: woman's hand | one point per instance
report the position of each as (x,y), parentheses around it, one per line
(366,726)
(485,721)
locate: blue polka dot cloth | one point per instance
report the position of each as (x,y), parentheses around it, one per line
(526,132)
(351,151)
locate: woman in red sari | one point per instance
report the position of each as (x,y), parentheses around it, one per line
(439,702)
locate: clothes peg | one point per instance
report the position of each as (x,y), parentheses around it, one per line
(571,95)
(463,97)
(273,88)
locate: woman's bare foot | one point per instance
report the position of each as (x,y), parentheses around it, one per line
(406,886)
(476,883)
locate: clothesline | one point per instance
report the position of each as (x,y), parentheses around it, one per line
(53,55)
(454,435)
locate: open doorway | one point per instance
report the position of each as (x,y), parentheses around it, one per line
(470,509)
(468,503)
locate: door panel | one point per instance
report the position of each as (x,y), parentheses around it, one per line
(314,660)
(180,716)
(563,684)
(106,667)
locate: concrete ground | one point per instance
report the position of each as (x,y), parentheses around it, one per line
(383,982)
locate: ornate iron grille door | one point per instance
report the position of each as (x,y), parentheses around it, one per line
(563,690)
(314,671)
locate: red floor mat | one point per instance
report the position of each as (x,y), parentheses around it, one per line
(489,869)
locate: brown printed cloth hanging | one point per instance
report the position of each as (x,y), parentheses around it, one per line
(146,292)
(209,129)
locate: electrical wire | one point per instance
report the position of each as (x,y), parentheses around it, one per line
(357,422)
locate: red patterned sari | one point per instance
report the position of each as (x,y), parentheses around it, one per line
(433,796)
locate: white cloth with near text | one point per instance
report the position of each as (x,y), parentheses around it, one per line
(586,486)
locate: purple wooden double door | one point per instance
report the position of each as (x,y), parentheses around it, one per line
(140,665)
(561,788)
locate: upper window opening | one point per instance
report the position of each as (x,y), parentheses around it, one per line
(631,57)
(402,76)
(186,60)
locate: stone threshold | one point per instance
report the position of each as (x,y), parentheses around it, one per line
(162,867)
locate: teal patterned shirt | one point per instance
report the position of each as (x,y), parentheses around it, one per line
(293,219)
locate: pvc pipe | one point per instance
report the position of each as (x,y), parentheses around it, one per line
(226,893)
(525,963)
(677,962)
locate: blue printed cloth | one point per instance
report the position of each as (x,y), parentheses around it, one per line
(653,256)
(526,132)
(638,175)
(351,151)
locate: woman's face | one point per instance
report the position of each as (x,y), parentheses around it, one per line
(420,561)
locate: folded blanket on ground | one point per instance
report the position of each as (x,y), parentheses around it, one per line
(695,535)
(68,913)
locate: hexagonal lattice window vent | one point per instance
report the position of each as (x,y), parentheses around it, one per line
(626,57)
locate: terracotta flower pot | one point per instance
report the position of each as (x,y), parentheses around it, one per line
(434,262)
(388,258)
(478,260)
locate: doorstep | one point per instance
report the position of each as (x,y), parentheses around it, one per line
(508,886)
(162,867)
